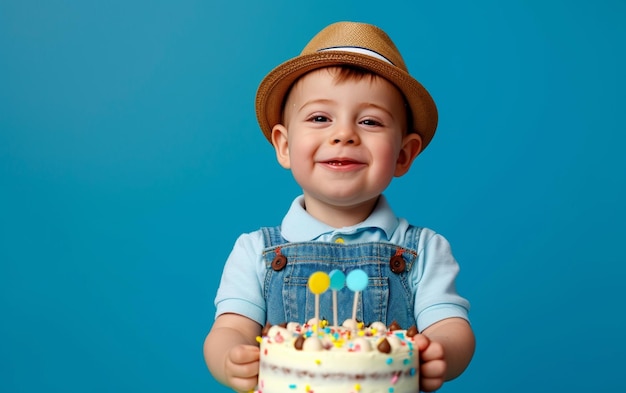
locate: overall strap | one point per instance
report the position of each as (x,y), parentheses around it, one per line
(272,236)
(413,237)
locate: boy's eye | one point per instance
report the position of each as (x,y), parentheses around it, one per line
(371,122)
(319,119)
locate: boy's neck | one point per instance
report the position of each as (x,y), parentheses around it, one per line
(339,216)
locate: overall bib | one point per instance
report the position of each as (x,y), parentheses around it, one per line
(387,298)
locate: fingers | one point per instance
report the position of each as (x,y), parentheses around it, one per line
(430,384)
(243,354)
(432,375)
(432,364)
(434,351)
(243,385)
(242,367)
(422,342)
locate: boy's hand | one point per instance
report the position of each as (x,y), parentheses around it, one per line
(432,363)
(231,351)
(242,367)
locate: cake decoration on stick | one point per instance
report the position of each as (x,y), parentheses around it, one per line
(337,282)
(318,284)
(356,282)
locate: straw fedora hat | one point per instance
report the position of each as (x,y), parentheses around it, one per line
(347,43)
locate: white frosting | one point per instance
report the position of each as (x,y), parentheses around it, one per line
(338,360)
(312,344)
(350,324)
(361,344)
(395,342)
(379,327)
(278,333)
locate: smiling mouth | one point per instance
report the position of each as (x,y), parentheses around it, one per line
(341,162)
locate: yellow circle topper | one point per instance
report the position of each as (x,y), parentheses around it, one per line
(319,282)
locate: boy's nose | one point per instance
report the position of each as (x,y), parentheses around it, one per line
(349,141)
(344,134)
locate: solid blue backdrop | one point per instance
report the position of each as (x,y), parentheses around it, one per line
(130,160)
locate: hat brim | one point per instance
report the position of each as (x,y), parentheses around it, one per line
(272,90)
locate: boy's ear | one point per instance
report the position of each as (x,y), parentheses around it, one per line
(411,147)
(281,145)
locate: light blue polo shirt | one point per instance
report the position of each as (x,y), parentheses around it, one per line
(432,278)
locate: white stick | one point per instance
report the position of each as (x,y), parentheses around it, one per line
(356,300)
(335,308)
(317,311)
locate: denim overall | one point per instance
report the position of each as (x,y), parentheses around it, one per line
(387,298)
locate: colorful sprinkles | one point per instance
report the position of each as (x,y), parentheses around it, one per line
(396,347)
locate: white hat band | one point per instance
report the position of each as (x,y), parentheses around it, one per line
(355,49)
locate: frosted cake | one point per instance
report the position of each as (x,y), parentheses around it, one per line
(352,358)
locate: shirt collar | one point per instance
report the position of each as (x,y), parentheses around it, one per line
(299,226)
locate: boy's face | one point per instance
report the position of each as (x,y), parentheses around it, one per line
(344,141)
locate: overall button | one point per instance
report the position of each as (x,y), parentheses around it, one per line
(279,262)
(397,264)
(339,240)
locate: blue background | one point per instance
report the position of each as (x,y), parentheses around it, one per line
(130,160)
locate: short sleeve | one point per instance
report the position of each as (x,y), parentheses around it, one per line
(436,297)
(241,286)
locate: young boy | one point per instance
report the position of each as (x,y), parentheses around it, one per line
(345,117)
